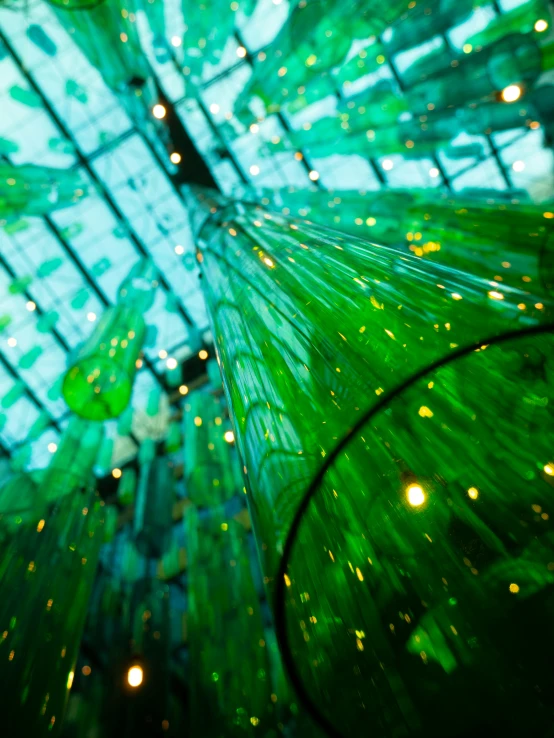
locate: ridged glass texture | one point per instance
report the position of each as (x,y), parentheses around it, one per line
(393,420)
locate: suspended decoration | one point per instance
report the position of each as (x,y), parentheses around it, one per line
(459,231)
(33,190)
(99,382)
(154,508)
(231,689)
(369,508)
(209,476)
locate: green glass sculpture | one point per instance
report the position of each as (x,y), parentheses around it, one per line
(208,467)
(230,691)
(33,190)
(98,384)
(392,418)
(154,508)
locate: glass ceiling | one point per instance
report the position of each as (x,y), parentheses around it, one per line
(62,261)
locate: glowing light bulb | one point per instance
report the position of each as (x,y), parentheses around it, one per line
(175,41)
(511,93)
(541,25)
(313,175)
(171,363)
(473,492)
(158,111)
(162,354)
(241,52)
(91,317)
(387,165)
(549,469)
(415,495)
(52,447)
(179,250)
(135,676)
(31,306)
(203,354)
(12,342)
(214,108)
(254,169)
(518,166)
(183,389)
(434,172)
(229,436)
(116,473)
(175,158)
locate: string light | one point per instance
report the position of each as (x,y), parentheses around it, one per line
(541,25)
(434,172)
(162,354)
(171,363)
(175,158)
(473,493)
(179,250)
(203,354)
(241,52)
(183,389)
(91,317)
(31,306)
(518,166)
(415,495)
(229,436)
(254,169)
(313,175)
(175,41)
(511,93)
(159,111)
(214,108)
(52,447)
(116,473)
(387,165)
(12,342)
(135,676)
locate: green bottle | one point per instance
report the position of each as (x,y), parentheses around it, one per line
(154,508)
(99,381)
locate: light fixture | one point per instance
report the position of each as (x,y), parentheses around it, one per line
(175,41)
(31,306)
(183,389)
(116,473)
(159,111)
(518,166)
(511,93)
(434,172)
(135,676)
(175,158)
(214,108)
(387,165)
(229,436)
(91,317)
(171,363)
(473,493)
(52,447)
(241,52)
(415,495)
(541,25)
(254,169)
(12,342)
(179,250)
(313,175)
(162,353)
(202,354)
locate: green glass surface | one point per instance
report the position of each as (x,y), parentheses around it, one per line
(154,508)
(208,461)
(230,691)
(126,488)
(411,402)
(33,190)
(455,230)
(47,569)
(99,382)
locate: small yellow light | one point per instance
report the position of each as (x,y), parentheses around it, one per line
(135,676)
(541,25)
(31,306)
(12,342)
(468,48)
(198,421)
(171,363)
(70,677)
(473,492)
(495,295)
(415,495)
(229,436)
(511,93)
(549,469)
(313,175)
(162,354)
(514,588)
(175,41)
(116,473)
(254,170)
(311,60)
(175,158)
(203,354)
(183,389)
(254,128)
(241,52)
(179,250)
(86,670)
(52,447)
(214,108)
(387,165)
(268,261)
(158,111)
